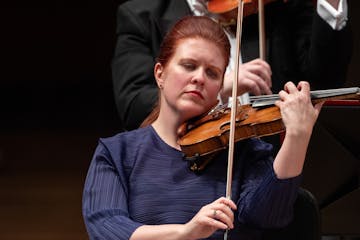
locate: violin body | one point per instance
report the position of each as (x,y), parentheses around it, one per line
(213,135)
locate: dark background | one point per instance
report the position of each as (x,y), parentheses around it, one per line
(56,100)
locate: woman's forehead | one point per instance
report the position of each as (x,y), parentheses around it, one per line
(200,48)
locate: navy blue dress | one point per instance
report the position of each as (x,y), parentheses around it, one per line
(135,178)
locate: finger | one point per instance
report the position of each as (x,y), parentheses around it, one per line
(224,213)
(318,106)
(283,95)
(265,74)
(253,87)
(224,208)
(227,211)
(290,87)
(262,63)
(267,79)
(278,103)
(266,67)
(262,83)
(248,83)
(304,86)
(224,218)
(219,219)
(228,202)
(261,69)
(257,85)
(266,90)
(215,223)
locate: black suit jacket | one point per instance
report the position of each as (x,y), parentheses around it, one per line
(299,46)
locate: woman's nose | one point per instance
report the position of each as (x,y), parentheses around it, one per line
(199,76)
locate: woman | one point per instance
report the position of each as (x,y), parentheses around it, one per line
(138,186)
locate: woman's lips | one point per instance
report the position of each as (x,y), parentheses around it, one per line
(196,93)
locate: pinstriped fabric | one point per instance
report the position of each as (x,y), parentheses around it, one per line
(135,178)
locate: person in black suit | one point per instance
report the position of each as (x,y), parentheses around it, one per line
(300,45)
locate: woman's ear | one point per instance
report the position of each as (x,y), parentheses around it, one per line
(159,75)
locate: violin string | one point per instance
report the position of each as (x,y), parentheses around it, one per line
(264,100)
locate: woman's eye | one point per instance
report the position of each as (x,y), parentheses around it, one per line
(189,66)
(212,74)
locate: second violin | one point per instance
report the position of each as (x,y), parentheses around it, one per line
(223,6)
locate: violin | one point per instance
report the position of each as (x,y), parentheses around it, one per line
(202,138)
(222,6)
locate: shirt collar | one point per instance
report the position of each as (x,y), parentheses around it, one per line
(198,7)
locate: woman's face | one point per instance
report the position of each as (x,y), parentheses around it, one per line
(191,80)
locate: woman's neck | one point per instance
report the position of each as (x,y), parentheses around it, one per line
(167,130)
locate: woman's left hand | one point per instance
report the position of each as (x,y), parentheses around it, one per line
(298,113)
(299,116)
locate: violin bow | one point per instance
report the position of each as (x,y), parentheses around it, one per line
(261,30)
(235,84)
(234,104)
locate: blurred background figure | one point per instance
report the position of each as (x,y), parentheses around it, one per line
(304,41)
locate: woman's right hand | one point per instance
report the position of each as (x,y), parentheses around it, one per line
(211,217)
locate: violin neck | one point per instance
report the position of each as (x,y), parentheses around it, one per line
(316,96)
(336,94)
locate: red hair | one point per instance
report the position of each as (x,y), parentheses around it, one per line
(194,27)
(189,27)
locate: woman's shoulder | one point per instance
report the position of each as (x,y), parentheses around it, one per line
(124,147)
(132,137)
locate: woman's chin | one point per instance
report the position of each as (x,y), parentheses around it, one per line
(193,112)
(192,109)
